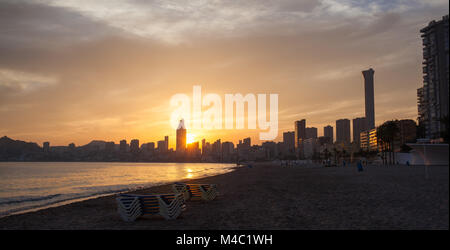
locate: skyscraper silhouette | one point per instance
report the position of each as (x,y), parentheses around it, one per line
(181,137)
(328,132)
(370,102)
(359,125)
(343,131)
(300,132)
(433,100)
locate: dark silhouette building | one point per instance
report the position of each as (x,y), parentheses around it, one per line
(370,99)
(134,145)
(328,132)
(433,96)
(181,137)
(123,146)
(46,147)
(343,131)
(311,133)
(289,140)
(359,125)
(300,132)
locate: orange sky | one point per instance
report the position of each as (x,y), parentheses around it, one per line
(76,71)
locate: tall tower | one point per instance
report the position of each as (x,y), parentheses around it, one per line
(359,125)
(166,142)
(181,137)
(300,132)
(343,131)
(433,100)
(370,103)
(328,132)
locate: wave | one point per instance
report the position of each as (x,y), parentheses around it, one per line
(22,199)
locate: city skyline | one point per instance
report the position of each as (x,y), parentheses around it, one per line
(52,94)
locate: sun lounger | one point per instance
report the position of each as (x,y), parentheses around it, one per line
(129,208)
(132,206)
(206,192)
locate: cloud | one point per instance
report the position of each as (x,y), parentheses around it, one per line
(26,24)
(108,68)
(18,82)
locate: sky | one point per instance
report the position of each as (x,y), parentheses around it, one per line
(82,70)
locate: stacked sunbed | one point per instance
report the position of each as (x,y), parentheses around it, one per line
(205,192)
(169,206)
(132,206)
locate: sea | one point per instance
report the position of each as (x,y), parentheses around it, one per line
(30,186)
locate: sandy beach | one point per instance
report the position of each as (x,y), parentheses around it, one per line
(273,197)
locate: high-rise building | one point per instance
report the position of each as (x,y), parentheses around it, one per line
(181,137)
(311,133)
(309,148)
(359,125)
(161,146)
(433,96)
(247,142)
(370,99)
(134,145)
(300,132)
(289,140)
(217,147)
(148,147)
(110,146)
(46,147)
(343,131)
(166,142)
(123,146)
(368,140)
(328,132)
(227,148)
(270,150)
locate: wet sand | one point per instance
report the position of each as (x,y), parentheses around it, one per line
(274,197)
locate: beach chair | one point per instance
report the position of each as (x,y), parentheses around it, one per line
(129,208)
(205,192)
(169,206)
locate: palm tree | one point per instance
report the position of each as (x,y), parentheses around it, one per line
(326,153)
(335,155)
(387,133)
(344,154)
(381,137)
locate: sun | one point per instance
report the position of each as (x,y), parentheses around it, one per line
(190,138)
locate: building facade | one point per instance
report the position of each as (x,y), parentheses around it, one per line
(181,137)
(289,140)
(359,125)
(300,132)
(369,97)
(343,131)
(433,96)
(368,140)
(311,133)
(328,132)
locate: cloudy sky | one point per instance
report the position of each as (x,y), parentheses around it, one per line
(78,70)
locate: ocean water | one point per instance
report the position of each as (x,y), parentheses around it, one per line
(28,186)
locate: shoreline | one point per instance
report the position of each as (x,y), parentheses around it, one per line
(273,197)
(95,196)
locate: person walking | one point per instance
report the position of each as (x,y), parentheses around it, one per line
(360,166)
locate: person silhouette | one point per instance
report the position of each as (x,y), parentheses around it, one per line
(360,167)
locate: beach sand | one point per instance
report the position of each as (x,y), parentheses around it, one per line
(273,197)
